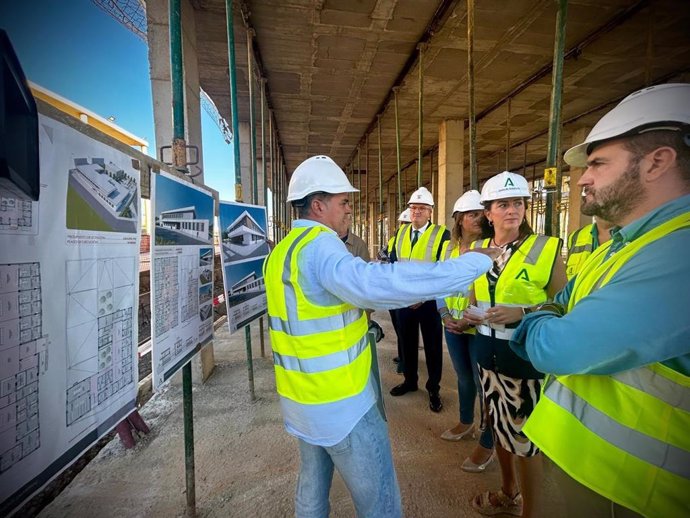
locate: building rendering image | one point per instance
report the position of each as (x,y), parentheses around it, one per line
(184,221)
(101,196)
(249,283)
(243,238)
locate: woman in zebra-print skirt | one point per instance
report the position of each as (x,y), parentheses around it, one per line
(528,272)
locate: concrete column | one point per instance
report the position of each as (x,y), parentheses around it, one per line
(575,218)
(245,161)
(157,15)
(450,168)
(373,229)
(392,207)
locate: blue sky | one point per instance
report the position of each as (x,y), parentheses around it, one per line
(78,51)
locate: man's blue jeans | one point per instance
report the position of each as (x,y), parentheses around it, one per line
(462,354)
(364,461)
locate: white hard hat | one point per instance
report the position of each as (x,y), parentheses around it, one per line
(471,200)
(318,174)
(505,185)
(405,216)
(661,107)
(422,196)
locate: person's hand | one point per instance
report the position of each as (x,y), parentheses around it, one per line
(453,325)
(471,319)
(503,315)
(493,253)
(456,325)
(553,307)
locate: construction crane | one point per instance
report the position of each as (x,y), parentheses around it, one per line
(132,14)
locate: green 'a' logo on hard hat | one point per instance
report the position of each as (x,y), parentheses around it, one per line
(523,275)
(509,183)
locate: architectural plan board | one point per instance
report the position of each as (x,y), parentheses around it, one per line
(181,273)
(244,246)
(69,280)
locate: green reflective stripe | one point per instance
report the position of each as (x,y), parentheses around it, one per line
(537,248)
(657,453)
(323,363)
(316,325)
(656,385)
(579,249)
(574,236)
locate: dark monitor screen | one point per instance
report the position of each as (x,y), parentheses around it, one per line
(19,165)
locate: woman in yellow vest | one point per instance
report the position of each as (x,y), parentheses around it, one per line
(470,225)
(528,272)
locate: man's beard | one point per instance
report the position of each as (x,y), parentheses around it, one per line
(615,201)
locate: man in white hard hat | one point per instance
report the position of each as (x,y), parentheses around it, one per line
(421,240)
(615,417)
(321,355)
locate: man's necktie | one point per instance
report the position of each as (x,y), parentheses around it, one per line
(415,237)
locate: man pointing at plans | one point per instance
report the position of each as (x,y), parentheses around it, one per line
(321,355)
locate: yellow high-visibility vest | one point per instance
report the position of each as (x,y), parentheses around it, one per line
(455,304)
(320,353)
(580,247)
(626,436)
(523,280)
(426,248)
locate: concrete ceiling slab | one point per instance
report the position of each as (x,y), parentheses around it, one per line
(330,65)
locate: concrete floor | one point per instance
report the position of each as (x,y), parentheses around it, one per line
(246,464)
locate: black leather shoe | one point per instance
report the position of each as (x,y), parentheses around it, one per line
(435,403)
(402,389)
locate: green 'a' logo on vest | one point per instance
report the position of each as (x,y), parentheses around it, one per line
(523,275)
(509,183)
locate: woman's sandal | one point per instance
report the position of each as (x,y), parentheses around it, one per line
(484,503)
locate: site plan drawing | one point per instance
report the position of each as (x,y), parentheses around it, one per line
(68,368)
(181,273)
(244,245)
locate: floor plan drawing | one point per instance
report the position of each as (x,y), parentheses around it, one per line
(17,216)
(189,282)
(23,350)
(100,334)
(166,299)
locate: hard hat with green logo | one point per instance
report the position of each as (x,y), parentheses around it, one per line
(471,200)
(661,107)
(318,174)
(505,185)
(421,196)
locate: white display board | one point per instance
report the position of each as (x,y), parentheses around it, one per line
(68,309)
(244,246)
(181,273)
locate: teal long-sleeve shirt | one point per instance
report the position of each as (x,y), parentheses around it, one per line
(641,316)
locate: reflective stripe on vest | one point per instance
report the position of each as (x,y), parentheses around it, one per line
(579,249)
(320,353)
(522,282)
(426,248)
(630,428)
